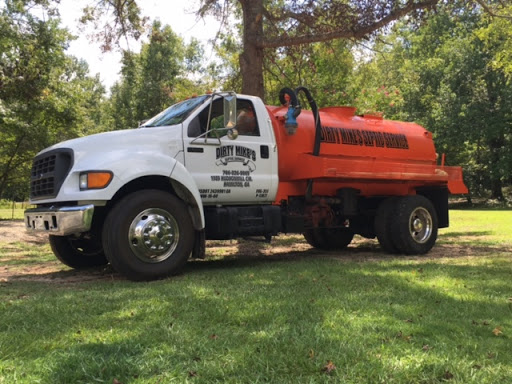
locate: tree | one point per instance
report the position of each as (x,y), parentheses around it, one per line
(274,24)
(162,62)
(497,36)
(155,78)
(45,96)
(447,80)
(113,20)
(270,24)
(324,68)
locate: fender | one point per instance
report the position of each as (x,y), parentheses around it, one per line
(145,164)
(125,167)
(186,189)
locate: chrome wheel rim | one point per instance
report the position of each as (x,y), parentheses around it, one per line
(420,225)
(153,235)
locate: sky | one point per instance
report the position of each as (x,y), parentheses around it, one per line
(176,13)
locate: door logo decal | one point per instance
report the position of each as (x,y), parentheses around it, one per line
(234,178)
(236,153)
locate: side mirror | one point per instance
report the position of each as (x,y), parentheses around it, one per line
(232,133)
(230,111)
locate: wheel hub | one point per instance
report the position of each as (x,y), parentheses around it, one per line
(153,235)
(420,225)
(417,225)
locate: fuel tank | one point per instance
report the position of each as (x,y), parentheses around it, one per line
(367,153)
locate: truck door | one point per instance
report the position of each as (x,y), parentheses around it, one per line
(226,171)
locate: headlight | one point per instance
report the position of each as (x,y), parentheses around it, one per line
(95,179)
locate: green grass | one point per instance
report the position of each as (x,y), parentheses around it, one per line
(9,214)
(479,227)
(277,319)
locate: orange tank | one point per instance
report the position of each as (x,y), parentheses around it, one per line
(377,157)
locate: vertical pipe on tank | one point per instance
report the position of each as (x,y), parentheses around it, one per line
(318,132)
(316,114)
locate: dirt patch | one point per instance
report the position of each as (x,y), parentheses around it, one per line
(17,264)
(13,231)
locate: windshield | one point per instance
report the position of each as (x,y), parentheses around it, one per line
(176,113)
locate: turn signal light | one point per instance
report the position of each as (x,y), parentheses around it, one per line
(95,179)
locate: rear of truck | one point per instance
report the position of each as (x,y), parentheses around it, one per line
(341,174)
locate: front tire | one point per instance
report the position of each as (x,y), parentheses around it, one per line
(78,252)
(329,238)
(415,225)
(148,235)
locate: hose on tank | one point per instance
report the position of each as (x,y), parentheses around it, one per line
(316,115)
(318,132)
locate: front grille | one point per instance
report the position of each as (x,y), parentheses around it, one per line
(48,173)
(43,187)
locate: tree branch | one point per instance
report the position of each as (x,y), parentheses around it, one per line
(351,33)
(491,12)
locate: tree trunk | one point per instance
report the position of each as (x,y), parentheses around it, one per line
(497,190)
(251,59)
(6,171)
(495,145)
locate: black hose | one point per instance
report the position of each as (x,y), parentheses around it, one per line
(318,133)
(293,97)
(316,115)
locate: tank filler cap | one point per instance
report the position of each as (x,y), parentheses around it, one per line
(373,116)
(341,112)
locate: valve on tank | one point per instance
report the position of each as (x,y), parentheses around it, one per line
(293,109)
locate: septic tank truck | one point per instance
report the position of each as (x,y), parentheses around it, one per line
(224,166)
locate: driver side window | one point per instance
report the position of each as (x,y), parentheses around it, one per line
(247,124)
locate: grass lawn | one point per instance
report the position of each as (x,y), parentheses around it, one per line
(283,316)
(9,213)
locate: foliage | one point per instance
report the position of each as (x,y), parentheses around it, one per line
(324,68)
(446,78)
(497,36)
(441,73)
(449,70)
(160,75)
(227,69)
(45,96)
(270,25)
(114,20)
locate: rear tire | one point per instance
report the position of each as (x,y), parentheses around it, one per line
(78,252)
(383,224)
(329,238)
(148,235)
(415,225)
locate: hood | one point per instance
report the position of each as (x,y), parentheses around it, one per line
(166,140)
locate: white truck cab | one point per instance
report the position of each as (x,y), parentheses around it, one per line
(141,194)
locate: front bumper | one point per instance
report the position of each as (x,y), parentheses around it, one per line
(60,221)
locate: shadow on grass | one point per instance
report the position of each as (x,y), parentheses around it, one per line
(466,234)
(48,275)
(248,254)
